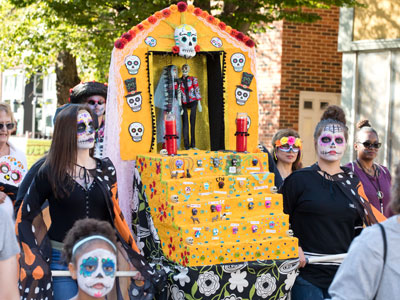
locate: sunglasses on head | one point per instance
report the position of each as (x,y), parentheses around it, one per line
(369,145)
(9,126)
(287,148)
(94,102)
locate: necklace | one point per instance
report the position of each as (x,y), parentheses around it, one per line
(379,193)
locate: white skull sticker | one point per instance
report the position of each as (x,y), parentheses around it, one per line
(186,39)
(238,60)
(136,131)
(132,63)
(242,95)
(150,41)
(134,102)
(216,42)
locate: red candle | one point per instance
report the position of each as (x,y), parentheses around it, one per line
(241,132)
(170,135)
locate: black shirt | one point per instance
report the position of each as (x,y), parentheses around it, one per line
(322,217)
(80,203)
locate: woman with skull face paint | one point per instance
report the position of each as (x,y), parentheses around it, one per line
(327,207)
(375,178)
(91,253)
(94,94)
(76,186)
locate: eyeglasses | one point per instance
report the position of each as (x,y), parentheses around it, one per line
(94,102)
(9,126)
(370,145)
(287,148)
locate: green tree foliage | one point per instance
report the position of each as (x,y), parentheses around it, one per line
(34,32)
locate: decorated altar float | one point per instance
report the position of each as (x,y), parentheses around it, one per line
(209,215)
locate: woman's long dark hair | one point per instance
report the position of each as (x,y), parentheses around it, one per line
(62,155)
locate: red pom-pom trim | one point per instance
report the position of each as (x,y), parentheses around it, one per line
(132,33)
(210,19)
(182,6)
(234,32)
(119,44)
(222,25)
(175,49)
(140,27)
(197,48)
(245,39)
(250,43)
(127,36)
(152,19)
(198,11)
(240,36)
(166,12)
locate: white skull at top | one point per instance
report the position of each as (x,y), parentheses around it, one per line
(136,131)
(186,39)
(132,63)
(238,60)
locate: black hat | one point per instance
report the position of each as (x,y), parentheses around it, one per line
(84,90)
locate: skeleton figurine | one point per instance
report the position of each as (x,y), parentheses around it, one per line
(190,97)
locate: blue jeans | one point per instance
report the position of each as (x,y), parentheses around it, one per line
(64,288)
(305,290)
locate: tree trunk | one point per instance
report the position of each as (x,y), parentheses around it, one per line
(67,76)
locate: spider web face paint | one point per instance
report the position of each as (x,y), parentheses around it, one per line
(331,143)
(97,272)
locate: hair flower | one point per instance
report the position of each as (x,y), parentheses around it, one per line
(278,143)
(284,140)
(297,143)
(291,140)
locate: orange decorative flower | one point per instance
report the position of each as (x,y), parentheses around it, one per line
(146,24)
(159,15)
(228,29)
(204,14)
(190,8)
(173,8)
(140,27)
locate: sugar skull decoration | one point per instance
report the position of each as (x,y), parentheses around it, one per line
(134,97)
(186,40)
(242,92)
(238,60)
(136,131)
(11,170)
(150,41)
(216,42)
(132,63)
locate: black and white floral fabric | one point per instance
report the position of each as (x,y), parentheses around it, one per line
(262,279)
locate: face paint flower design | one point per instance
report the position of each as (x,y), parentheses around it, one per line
(85,130)
(96,272)
(331,143)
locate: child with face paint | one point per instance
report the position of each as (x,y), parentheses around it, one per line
(287,151)
(326,205)
(375,178)
(91,253)
(76,186)
(94,94)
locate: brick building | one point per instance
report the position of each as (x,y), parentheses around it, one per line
(299,74)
